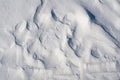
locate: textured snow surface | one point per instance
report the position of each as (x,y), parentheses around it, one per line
(59,39)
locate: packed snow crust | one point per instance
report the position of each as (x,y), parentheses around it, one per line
(59,39)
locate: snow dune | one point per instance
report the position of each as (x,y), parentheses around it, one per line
(60,40)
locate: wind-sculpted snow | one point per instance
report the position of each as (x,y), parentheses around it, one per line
(60,40)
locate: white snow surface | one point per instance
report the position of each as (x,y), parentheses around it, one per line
(59,39)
